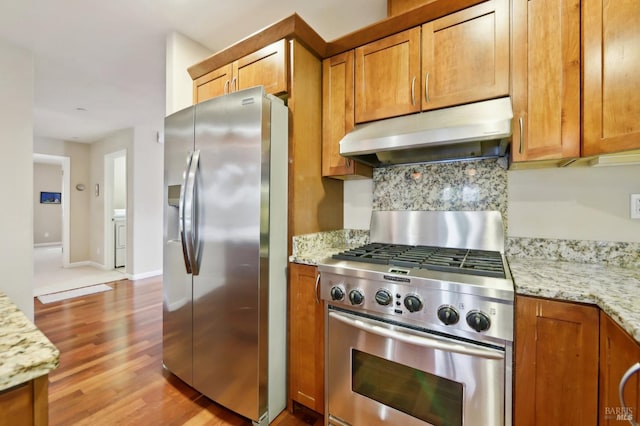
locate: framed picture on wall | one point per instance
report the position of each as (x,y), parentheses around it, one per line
(50,197)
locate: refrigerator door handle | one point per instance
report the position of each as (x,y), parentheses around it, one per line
(190,212)
(181,224)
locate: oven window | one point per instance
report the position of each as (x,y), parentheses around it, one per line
(433,399)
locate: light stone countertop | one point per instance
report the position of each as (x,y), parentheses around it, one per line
(25,352)
(614,289)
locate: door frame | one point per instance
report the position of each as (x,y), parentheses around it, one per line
(109,239)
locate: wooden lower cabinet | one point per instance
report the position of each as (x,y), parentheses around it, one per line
(26,404)
(556,363)
(618,352)
(306,338)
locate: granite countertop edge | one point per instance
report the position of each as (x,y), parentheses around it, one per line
(615,290)
(25,352)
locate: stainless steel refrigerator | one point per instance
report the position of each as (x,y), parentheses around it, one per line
(225,251)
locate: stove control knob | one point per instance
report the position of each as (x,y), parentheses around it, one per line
(448,315)
(479,321)
(356,297)
(337,293)
(412,303)
(383,297)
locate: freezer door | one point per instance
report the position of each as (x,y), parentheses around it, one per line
(176,280)
(230,323)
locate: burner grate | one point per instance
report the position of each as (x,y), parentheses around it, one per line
(444,259)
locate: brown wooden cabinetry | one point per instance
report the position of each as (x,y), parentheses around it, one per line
(546,79)
(306,338)
(618,352)
(388,77)
(465,56)
(26,404)
(267,67)
(556,363)
(289,65)
(338,116)
(398,7)
(611,97)
(460,58)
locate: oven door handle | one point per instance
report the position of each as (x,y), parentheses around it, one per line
(425,342)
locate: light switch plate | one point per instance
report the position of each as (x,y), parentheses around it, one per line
(635,206)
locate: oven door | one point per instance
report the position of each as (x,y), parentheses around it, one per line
(381,373)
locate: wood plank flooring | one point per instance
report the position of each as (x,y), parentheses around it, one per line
(111,370)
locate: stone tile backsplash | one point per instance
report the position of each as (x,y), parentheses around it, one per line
(461,185)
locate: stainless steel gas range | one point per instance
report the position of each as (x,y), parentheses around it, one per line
(419,323)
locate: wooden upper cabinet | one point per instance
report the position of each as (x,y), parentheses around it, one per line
(611,93)
(556,363)
(465,56)
(267,67)
(618,352)
(212,84)
(388,77)
(546,79)
(398,7)
(338,116)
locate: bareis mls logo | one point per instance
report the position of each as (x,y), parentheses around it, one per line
(618,413)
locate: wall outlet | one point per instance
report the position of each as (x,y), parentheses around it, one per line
(635,206)
(46,235)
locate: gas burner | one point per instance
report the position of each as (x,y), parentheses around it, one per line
(465,261)
(444,271)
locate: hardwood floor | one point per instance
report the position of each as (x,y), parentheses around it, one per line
(111,370)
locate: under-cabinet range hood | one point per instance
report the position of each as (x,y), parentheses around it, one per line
(477,130)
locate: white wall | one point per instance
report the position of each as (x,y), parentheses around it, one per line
(47,218)
(16,175)
(117,141)
(580,203)
(144,211)
(358,199)
(182,52)
(120,183)
(574,203)
(79,155)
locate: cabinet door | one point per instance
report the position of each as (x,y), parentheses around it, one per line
(556,363)
(611,99)
(338,116)
(465,56)
(618,352)
(306,334)
(267,67)
(212,84)
(546,79)
(388,77)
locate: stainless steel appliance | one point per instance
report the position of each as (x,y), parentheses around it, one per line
(225,251)
(419,323)
(475,130)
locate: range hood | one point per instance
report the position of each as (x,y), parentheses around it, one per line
(477,130)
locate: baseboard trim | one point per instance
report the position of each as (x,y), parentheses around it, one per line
(78,264)
(143,275)
(59,243)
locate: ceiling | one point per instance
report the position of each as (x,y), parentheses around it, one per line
(100,65)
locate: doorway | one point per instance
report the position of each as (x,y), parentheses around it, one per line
(115,210)
(65,167)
